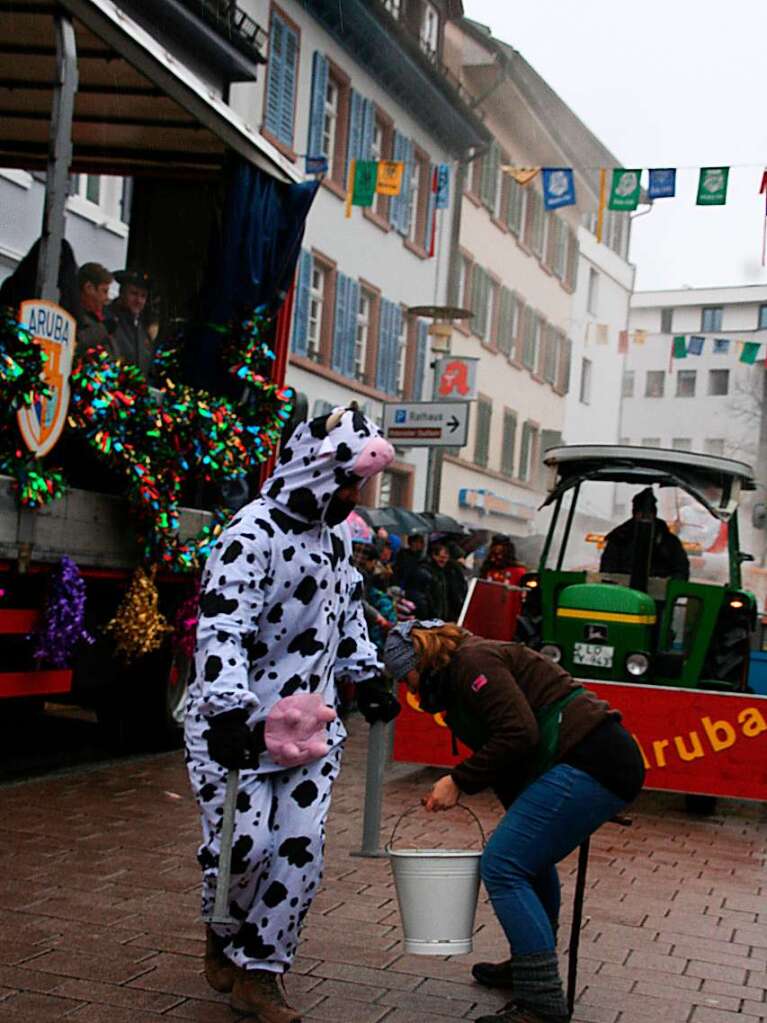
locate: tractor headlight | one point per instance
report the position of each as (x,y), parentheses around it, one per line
(530,581)
(637,665)
(552,651)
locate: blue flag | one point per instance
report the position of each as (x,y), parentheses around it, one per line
(695,345)
(721,345)
(316,164)
(662,183)
(442,197)
(558,187)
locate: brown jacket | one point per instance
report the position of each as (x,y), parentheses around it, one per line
(501,686)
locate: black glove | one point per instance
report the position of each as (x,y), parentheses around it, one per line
(376,701)
(231,743)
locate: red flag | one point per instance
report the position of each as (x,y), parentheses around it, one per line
(623,342)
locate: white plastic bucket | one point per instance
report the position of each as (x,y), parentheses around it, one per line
(437,891)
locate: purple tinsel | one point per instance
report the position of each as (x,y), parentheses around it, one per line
(62,626)
(185,624)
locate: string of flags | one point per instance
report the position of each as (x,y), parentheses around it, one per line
(682,345)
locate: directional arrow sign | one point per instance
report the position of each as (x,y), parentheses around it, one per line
(426,424)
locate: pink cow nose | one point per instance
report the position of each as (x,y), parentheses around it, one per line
(375,456)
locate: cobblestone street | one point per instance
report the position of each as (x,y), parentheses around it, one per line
(99,904)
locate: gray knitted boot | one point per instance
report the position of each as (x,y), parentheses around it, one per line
(538,993)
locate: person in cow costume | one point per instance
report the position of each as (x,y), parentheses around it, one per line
(281,622)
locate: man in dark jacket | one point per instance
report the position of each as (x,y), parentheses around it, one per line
(124,318)
(668,558)
(94,281)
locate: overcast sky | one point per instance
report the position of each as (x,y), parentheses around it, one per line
(673,84)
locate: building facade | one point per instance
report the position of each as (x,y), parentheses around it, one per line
(364,84)
(527,275)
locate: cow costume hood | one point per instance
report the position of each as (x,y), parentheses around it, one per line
(335,450)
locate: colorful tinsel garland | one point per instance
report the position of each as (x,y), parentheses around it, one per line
(63,624)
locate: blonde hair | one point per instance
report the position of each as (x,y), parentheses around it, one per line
(435,647)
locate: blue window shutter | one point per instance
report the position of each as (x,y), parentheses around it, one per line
(353,304)
(368,128)
(301,311)
(340,323)
(397,202)
(354,145)
(384,332)
(396,328)
(274,75)
(419,370)
(407,213)
(288,92)
(429,229)
(317,109)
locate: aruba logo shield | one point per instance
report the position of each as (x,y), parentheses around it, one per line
(54,329)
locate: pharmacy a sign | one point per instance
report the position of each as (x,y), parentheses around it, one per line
(54,330)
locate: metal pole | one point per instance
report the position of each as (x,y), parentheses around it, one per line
(59,160)
(378,751)
(575,929)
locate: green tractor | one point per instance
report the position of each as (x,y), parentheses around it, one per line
(640,623)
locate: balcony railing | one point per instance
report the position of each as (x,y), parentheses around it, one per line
(234,24)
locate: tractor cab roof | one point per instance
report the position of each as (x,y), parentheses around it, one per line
(714,481)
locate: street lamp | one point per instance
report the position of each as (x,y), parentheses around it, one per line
(441,334)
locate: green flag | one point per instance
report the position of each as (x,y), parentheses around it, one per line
(365,177)
(750,352)
(712,186)
(680,347)
(624,193)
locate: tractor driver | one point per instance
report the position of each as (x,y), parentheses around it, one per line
(668,558)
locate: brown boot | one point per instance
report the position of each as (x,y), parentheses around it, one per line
(219,971)
(261,993)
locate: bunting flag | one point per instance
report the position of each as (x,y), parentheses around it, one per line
(442,190)
(365,178)
(315,164)
(522,175)
(640,337)
(695,345)
(750,352)
(712,186)
(721,345)
(389,180)
(679,348)
(603,336)
(624,192)
(558,187)
(623,342)
(350,189)
(662,183)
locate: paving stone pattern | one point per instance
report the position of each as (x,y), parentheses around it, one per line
(99,908)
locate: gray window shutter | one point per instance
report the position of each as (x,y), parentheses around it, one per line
(397,202)
(317,109)
(430,224)
(396,328)
(288,91)
(384,344)
(274,75)
(407,212)
(340,325)
(353,304)
(421,349)
(301,313)
(354,145)
(368,128)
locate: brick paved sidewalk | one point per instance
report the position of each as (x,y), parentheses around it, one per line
(98,909)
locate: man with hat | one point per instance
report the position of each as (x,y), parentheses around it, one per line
(668,558)
(124,318)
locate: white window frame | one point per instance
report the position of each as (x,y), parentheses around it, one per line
(394,7)
(330,119)
(362,334)
(316,312)
(429,34)
(401,359)
(586,379)
(415,198)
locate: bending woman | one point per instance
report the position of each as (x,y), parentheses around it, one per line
(558,759)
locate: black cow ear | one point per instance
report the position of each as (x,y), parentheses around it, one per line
(319,427)
(360,424)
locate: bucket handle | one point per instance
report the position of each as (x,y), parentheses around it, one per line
(412,809)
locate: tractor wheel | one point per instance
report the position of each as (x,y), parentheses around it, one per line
(700,806)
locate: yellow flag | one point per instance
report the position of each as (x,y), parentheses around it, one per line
(603,336)
(640,336)
(522,175)
(389,180)
(350,188)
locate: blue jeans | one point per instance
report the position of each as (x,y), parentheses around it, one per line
(550,819)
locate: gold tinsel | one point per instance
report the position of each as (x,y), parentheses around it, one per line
(138,628)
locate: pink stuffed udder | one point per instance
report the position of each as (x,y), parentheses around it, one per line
(374,457)
(296,729)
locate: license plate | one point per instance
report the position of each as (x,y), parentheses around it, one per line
(593,654)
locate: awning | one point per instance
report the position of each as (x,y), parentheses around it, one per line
(137,109)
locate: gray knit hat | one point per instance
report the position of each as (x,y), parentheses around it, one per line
(399,653)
